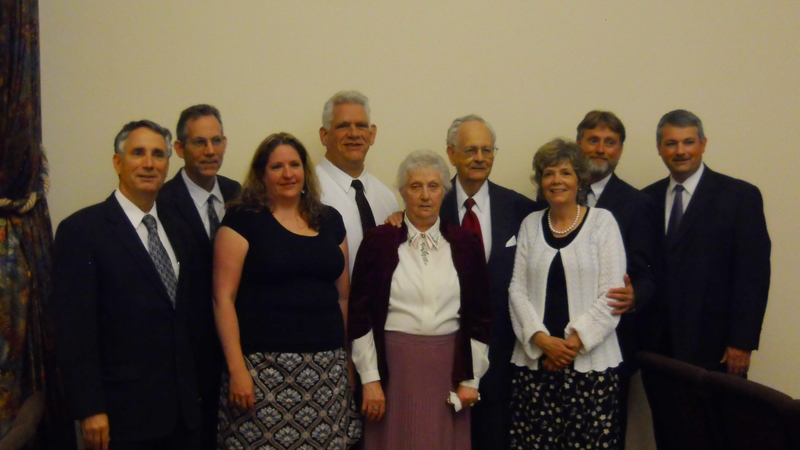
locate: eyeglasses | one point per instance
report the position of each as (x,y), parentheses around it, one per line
(216,142)
(486,152)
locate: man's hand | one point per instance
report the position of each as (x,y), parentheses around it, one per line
(467,395)
(738,361)
(374,403)
(625,300)
(95,432)
(395,219)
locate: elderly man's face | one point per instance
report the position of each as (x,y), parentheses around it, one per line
(603,149)
(682,151)
(143,165)
(423,194)
(472,136)
(349,137)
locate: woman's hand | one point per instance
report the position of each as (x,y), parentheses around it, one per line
(374,403)
(242,392)
(560,352)
(467,395)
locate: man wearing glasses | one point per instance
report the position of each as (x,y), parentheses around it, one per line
(495,214)
(197,194)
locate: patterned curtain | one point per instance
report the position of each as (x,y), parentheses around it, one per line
(31,415)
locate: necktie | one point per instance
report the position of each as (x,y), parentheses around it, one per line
(591,199)
(677,211)
(213,219)
(367,219)
(470,221)
(160,258)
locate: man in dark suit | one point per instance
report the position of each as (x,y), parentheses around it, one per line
(122,309)
(601,135)
(498,212)
(716,252)
(197,194)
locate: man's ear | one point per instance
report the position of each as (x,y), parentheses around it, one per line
(178,146)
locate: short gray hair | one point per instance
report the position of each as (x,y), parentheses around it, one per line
(682,119)
(122,137)
(423,159)
(453,130)
(343,98)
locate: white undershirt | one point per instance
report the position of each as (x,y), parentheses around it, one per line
(135,215)
(200,197)
(424,300)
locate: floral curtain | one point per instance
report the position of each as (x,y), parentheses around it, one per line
(31,414)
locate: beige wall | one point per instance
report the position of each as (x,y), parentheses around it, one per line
(532,68)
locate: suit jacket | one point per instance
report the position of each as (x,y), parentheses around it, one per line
(376,262)
(208,353)
(123,348)
(508,209)
(716,269)
(636,215)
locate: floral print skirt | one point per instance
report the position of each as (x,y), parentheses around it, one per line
(303,401)
(565,409)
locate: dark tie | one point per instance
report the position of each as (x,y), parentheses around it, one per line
(160,257)
(367,219)
(589,194)
(677,211)
(213,219)
(470,221)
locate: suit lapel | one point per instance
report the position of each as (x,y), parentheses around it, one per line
(500,227)
(188,210)
(610,194)
(124,232)
(449,211)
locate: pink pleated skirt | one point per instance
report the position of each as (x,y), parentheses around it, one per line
(417,415)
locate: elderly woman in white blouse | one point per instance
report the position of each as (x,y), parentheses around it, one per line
(565,392)
(419,319)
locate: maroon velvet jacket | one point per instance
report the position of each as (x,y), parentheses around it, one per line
(372,279)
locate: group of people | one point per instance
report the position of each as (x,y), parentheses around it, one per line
(306,309)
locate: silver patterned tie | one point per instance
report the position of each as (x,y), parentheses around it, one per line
(213,219)
(160,257)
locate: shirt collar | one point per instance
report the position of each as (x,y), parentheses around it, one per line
(598,187)
(415,236)
(134,214)
(690,184)
(342,178)
(481,197)
(198,194)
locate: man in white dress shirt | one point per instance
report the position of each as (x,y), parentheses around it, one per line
(361,199)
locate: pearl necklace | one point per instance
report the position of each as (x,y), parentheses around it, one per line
(571,227)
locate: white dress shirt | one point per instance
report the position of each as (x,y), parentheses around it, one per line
(135,215)
(597,191)
(200,198)
(482,210)
(338,193)
(689,188)
(424,299)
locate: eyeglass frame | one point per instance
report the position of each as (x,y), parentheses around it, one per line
(471,152)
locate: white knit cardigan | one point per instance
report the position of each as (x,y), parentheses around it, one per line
(593,263)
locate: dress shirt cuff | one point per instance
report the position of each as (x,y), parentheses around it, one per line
(365,358)
(480,362)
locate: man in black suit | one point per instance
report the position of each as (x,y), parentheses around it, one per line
(197,194)
(122,309)
(499,212)
(601,135)
(716,252)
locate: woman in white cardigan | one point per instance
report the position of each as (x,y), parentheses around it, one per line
(565,392)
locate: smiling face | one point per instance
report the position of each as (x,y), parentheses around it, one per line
(203,150)
(283,176)
(603,150)
(142,166)
(349,138)
(560,184)
(682,151)
(423,194)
